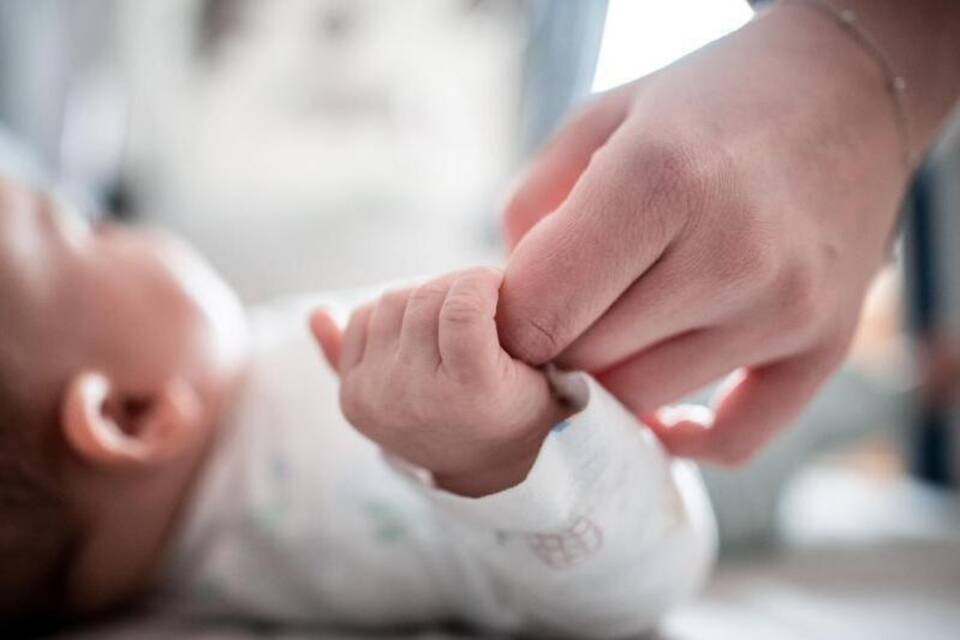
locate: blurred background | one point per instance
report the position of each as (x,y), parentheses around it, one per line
(331,144)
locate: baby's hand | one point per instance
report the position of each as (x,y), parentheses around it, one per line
(423,374)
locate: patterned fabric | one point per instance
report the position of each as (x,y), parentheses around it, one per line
(301,519)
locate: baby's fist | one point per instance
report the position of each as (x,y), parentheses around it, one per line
(423,374)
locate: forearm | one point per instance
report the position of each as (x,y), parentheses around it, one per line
(920,41)
(605,534)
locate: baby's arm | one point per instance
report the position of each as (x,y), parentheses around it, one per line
(553,523)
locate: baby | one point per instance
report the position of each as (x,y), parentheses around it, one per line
(154,438)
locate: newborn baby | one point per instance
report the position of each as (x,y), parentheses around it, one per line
(154,438)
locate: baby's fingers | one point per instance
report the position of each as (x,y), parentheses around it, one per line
(467,331)
(384,329)
(328,334)
(421,320)
(354,342)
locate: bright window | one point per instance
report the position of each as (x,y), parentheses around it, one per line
(641,36)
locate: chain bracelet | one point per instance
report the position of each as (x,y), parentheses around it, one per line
(896,84)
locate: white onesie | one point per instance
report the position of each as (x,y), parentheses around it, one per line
(298,518)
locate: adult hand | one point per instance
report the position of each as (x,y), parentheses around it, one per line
(723,215)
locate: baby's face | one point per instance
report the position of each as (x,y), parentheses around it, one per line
(138,307)
(140,311)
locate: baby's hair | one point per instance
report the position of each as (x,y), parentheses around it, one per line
(37,530)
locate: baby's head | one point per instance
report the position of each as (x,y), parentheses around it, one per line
(118,350)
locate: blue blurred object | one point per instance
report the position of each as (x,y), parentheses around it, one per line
(933,313)
(931,442)
(18,162)
(564,42)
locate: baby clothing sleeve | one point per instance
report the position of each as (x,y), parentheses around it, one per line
(297,518)
(605,534)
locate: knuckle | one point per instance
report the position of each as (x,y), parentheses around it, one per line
(675,179)
(428,292)
(675,171)
(463,307)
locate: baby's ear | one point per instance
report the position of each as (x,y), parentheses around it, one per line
(106,427)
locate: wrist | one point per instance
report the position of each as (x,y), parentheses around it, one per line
(840,86)
(915,48)
(508,463)
(921,39)
(489,479)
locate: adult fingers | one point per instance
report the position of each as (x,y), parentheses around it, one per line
(421,320)
(386,321)
(677,421)
(572,266)
(467,331)
(669,300)
(752,407)
(552,174)
(355,339)
(678,366)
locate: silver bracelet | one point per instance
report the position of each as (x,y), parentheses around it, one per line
(896,84)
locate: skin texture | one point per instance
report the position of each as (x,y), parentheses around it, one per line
(136,346)
(423,375)
(725,216)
